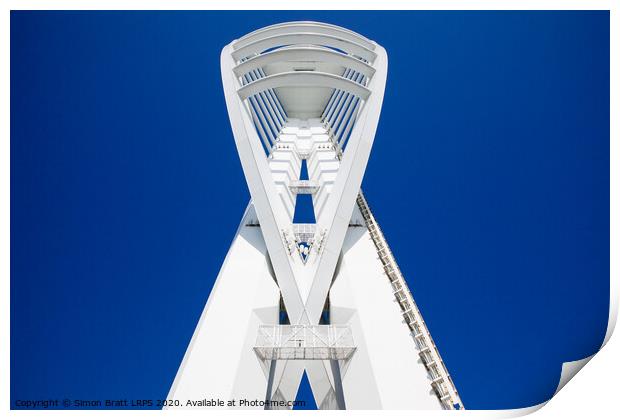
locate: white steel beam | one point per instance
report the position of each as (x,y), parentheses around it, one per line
(269,208)
(304,54)
(303,79)
(339,206)
(297,27)
(264,44)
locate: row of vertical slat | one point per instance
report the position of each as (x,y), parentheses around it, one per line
(341,110)
(267,112)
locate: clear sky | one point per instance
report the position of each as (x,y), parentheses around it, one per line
(489,176)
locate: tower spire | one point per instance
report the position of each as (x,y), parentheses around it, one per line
(312,288)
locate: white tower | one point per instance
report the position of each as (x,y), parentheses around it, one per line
(324,297)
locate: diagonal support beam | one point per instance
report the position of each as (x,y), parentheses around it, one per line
(341,201)
(269,209)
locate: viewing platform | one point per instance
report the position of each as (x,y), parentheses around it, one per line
(304,342)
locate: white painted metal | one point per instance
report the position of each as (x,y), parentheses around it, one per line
(301,27)
(304,38)
(298,57)
(351,322)
(304,342)
(429,355)
(304,187)
(303,79)
(220,361)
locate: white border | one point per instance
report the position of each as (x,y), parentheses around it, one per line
(593,394)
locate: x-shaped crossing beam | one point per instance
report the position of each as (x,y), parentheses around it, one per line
(304,306)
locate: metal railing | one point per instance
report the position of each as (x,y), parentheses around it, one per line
(303,186)
(304,232)
(441,383)
(304,342)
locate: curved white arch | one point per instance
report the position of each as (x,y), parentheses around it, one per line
(263,44)
(304,54)
(299,22)
(303,79)
(297,27)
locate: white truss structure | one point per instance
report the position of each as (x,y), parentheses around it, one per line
(326,297)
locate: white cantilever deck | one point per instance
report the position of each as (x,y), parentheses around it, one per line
(304,342)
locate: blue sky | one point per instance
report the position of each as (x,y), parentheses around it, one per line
(489,176)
